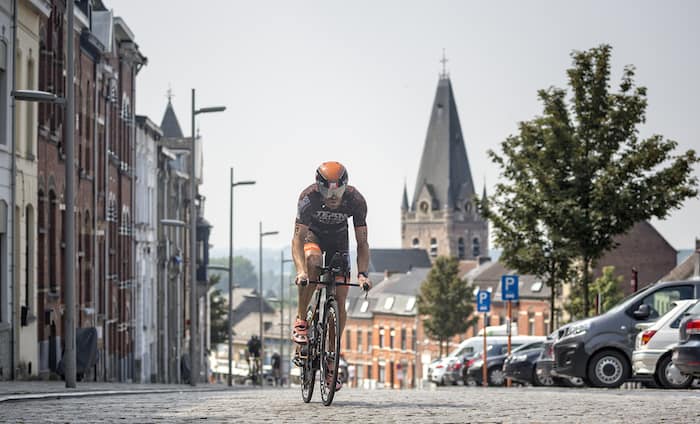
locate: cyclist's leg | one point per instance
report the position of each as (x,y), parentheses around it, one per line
(312,253)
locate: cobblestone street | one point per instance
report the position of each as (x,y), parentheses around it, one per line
(444,405)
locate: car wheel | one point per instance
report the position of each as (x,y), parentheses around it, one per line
(541,379)
(470,382)
(670,377)
(496,377)
(608,369)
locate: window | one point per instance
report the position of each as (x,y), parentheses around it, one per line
(52,240)
(29,117)
(348,336)
(28,257)
(381,337)
(536,286)
(369,371)
(415,243)
(382,374)
(359,371)
(369,343)
(424,206)
(433,247)
(530,324)
(661,301)
(389,302)
(4,95)
(392,333)
(359,341)
(414,342)
(365,305)
(476,247)
(3,256)
(403,339)
(460,248)
(410,303)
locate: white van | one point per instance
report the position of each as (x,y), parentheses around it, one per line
(448,370)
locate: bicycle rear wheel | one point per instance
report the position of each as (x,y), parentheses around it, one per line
(330,351)
(308,371)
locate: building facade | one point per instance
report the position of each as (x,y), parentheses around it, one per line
(31,15)
(107,61)
(145,227)
(6,145)
(442,217)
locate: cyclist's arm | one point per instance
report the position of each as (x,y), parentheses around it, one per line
(362,249)
(300,231)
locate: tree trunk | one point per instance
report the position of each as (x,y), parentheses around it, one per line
(586,306)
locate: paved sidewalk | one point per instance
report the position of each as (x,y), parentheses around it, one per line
(32,390)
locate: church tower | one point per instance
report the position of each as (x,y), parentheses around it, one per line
(442,217)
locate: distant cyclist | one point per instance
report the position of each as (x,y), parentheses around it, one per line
(322,226)
(253,355)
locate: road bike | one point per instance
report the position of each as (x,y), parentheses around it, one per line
(322,352)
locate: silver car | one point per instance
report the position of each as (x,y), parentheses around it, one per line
(654,343)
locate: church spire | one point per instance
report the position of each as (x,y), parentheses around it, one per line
(444,171)
(404,201)
(170,124)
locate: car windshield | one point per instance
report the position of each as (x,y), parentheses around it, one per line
(627,300)
(464,350)
(538,345)
(695,310)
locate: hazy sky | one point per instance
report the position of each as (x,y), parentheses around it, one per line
(354,81)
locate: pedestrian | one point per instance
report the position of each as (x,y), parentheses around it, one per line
(276,368)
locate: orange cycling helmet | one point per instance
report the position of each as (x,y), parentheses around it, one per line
(331,179)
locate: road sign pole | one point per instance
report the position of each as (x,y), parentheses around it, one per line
(508,330)
(484,372)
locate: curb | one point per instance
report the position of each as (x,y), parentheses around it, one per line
(68,395)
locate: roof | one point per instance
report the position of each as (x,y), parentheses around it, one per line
(397,260)
(395,294)
(488,276)
(686,270)
(444,166)
(170,124)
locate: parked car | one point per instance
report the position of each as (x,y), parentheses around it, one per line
(496,354)
(544,373)
(520,364)
(653,348)
(450,369)
(686,354)
(599,349)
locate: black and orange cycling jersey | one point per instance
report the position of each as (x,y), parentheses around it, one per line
(329,227)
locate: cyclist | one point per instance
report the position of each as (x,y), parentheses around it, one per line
(254,354)
(322,226)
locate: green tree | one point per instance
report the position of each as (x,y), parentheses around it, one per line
(218,314)
(446,300)
(243,271)
(585,169)
(608,286)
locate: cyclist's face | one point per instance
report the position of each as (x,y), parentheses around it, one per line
(333,202)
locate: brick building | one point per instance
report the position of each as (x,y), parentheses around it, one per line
(107,61)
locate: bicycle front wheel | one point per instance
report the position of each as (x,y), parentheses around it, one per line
(308,371)
(330,351)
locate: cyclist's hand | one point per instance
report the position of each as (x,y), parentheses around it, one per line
(364,282)
(302,279)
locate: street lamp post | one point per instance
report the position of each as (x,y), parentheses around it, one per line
(282,262)
(194,360)
(260,305)
(230,277)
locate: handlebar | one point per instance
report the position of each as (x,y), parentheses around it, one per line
(364,287)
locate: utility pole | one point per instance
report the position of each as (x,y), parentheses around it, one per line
(69,360)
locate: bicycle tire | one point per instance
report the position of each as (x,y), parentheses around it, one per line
(330,351)
(308,372)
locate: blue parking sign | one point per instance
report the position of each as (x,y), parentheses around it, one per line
(509,287)
(483,301)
